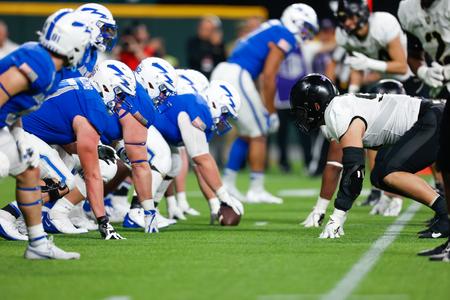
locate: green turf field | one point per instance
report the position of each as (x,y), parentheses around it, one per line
(269,256)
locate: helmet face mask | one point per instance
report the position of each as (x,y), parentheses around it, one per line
(426,3)
(301,20)
(357,10)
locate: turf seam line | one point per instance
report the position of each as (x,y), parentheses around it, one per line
(345,287)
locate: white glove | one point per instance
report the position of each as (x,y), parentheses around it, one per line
(432,76)
(335,226)
(27,153)
(394,208)
(314,219)
(151,224)
(274,123)
(232,202)
(360,62)
(4,165)
(381,206)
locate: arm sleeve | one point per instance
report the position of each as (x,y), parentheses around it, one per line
(194,139)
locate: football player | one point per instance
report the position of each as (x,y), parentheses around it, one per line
(28,75)
(333,168)
(403,128)
(260,54)
(427,23)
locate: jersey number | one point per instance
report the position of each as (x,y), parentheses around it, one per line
(441,46)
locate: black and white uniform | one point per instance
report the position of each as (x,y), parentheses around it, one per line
(404,129)
(431,29)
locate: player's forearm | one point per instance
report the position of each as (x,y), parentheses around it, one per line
(397,67)
(94,189)
(142,180)
(207,192)
(269,88)
(208,169)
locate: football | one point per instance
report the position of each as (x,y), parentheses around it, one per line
(227,216)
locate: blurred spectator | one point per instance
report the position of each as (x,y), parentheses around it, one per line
(159,46)
(6,45)
(243,28)
(206,49)
(135,46)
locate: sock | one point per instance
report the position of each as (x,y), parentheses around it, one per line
(148,204)
(182,200)
(440,207)
(339,215)
(322,204)
(214,205)
(238,154)
(257,181)
(135,202)
(13,209)
(122,189)
(62,207)
(229,177)
(171,202)
(36,235)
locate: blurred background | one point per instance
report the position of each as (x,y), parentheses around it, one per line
(199,35)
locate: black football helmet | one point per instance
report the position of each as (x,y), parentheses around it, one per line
(309,98)
(388,86)
(350,8)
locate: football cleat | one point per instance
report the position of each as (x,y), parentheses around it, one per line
(440,229)
(108,232)
(21,225)
(432,220)
(48,250)
(373,198)
(78,218)
(394,208)
(116,214)
(262,196)
(162,221)
(191,212)
(443,256)
(381,206)
(134,218)
(60,224)
(9,229)
(175,212)
(314,219)
(438,250)
(150,219)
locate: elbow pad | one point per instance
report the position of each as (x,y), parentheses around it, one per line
(352,177)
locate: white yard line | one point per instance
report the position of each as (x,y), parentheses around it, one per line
(286,193)
(351,280)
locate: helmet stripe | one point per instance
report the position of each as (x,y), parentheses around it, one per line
(53,23)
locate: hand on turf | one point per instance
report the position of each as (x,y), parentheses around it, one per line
(108,232)
(314,219)
(151,222)
(333,230)
(4,165)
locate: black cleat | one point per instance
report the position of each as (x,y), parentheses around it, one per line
(432,220)
(373,198)
(443,256)
(440,229)
(438,250)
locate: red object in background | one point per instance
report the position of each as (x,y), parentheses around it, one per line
(426,171)
(131,60)
(370,4)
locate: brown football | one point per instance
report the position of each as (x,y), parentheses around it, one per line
(227,216)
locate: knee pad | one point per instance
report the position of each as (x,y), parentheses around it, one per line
(176,165)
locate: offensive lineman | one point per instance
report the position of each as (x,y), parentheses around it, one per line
(403,128)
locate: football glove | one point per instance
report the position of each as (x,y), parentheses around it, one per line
(107,153)
(108,232)
(334,229)
(432,76)
(360,62)
(314,219)
(274,123)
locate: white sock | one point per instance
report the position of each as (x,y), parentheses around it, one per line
(182,199)
(148,204)
(171,202)
(36,235)
(214,205)
(257,181)
(61,208)
(229,177)
(322,204)
(339,215)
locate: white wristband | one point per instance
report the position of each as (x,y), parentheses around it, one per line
(377,65)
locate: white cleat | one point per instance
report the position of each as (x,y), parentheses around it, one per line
(116,214)
(61,223)
(48,250)
(21,225)
(381,206)
(262,196)
(314,219)
(175,212)
(163,222)
(233,191)
(192,212)
(78,218)
(9,229)
(136,215)
(394,208)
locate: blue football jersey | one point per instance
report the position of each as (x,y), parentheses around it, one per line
(86,69)
(251,51)
(35,62)
(197,109)
(52,123)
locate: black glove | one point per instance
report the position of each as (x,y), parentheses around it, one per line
(107,153)
(107,231)
(55,189)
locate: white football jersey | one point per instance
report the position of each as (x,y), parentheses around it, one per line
(387,117)
(431,27)
(383,28)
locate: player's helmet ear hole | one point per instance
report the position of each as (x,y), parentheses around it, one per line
(214,105)
(105,89)
(76,50)
(150,86)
